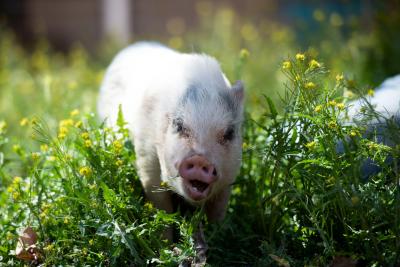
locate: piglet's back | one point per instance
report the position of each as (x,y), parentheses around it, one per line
(140,70)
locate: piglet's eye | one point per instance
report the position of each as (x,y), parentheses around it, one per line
(180,128)
(229,134)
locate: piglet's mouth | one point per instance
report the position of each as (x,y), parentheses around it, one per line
(197,190)
(199,185)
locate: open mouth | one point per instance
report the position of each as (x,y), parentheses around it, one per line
(199,185)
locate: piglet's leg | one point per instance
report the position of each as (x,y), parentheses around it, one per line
(149,173)
(200,246)
(215,208)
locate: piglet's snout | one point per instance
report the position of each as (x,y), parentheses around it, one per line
(198,176)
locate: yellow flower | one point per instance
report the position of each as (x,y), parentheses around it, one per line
(74,112)
(117,145)
(119,162)
(148,205)
(340,106)
(318,108)
(371,92)
(91,242)
(17,180)
(16,195)
(78,124)
(244,54)
(24,122)
(49,247)
(85,135)
(309,85)
(62,132)
(44,147)
(311,145)
(297,77)
(88,143)
(35,155)
(353,133)
(164,184)
(287,65)
(85,171)
(339,77)
(314,64)
(300,57)
(332,124)
(332,103)
(66,123)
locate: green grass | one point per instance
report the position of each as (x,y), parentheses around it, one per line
(296,201)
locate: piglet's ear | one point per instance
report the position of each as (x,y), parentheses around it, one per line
(238,90)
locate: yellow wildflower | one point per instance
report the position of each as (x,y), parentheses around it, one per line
(24,122)
(119,162)
(85,135)
(353,133)
(148,205)
(17,180)
(314,64)
(78,124)
(309,85)
(332,124)
(287,65)
(16,195)
(88,143)
(35,155)
(339,77)
(91,242)
(371,92)
(49,247)
(74,112)
(63,130)
(297,77)
(117,145)
(311,144)
(300,57)
(332,103)
(44,147)
(85,171)
(340,106)
(244,54)
(318,108)
(66,123)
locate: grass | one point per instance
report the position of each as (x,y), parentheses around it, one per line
(299,199)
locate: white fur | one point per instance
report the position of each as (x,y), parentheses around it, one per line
(386,99)
(149,80)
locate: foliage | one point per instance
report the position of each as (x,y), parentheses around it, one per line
(301,197)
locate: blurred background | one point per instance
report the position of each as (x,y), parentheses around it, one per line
(53,53)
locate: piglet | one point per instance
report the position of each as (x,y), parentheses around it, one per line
(184,118)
